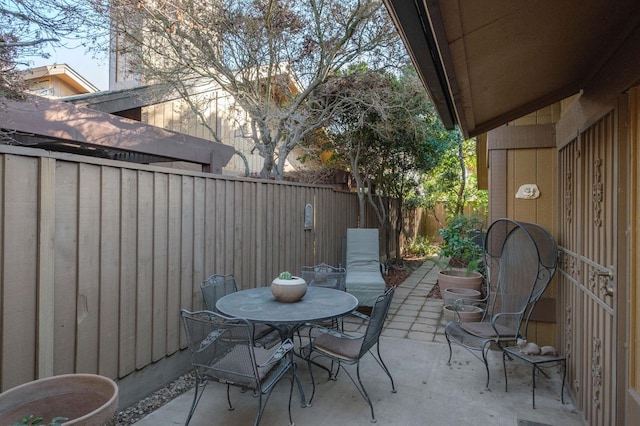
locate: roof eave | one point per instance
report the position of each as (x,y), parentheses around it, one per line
(414,26)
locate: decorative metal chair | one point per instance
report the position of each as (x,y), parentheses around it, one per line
(217,286)
(222,350)
(341,348)
(520,261)
(324,275)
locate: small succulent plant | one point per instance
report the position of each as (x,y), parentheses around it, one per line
(33,420)
(286,275)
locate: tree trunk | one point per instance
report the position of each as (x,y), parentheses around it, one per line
(463,180)
(398,233)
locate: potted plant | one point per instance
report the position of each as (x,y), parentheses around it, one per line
(464,254)
(288,288)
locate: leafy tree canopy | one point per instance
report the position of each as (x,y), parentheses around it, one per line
(274,57)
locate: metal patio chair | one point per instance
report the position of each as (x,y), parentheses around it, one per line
(520,261)
(326,276)
(217,286)
(222,350)
(341,348)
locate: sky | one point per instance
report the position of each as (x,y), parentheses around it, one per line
(96,71)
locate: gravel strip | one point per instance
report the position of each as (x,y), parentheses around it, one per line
(137,411)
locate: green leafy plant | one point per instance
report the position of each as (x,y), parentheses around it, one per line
(419,246)
(286,275)
(458,242)
(33,420)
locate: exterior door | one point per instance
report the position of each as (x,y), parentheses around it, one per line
(588,237)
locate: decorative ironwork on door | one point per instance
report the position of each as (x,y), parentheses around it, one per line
(587,237)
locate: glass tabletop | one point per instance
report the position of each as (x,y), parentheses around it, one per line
(259,305)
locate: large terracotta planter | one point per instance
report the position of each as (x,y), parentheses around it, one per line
(289,291)
(84,399)
(459,278)
(450,295)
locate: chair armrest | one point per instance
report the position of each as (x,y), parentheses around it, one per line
(284,348)
(332,332)
(359,315)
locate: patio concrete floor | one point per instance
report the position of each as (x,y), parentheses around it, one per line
(429,392)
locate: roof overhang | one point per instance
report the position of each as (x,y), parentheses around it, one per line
(65,73)
(58,125)
(486,63)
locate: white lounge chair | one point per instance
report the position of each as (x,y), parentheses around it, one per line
(364,273)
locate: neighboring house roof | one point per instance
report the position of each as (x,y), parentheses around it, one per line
(63,72)
(55,125)
(488,63)
(114,101)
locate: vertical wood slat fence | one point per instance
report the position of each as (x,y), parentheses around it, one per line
(98,257)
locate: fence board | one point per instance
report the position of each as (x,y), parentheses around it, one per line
(160,257)
(128,273)
(66,260)
(260,232)
(186,254)
(46,267)
(88,315)
(173,264)
(144,272)
(198,243)
(19,273)
(109,270)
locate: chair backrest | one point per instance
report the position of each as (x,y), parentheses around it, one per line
(520,260)
(363,250)
(324,275)
(376,320)
(221,348)
(215,287)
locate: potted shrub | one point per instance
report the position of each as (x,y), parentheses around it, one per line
(463,252)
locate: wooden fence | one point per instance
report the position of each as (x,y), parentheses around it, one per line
(97,257)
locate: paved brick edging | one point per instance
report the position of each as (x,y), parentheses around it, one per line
(412,315)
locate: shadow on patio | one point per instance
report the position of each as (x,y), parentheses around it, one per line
(429,391)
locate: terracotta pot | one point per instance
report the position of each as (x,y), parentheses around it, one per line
(450,295)
(459,278)
(289,291)
(84,399)
(467,313)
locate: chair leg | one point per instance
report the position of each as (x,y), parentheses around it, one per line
(504,368)
(364,393)
(197,394)
(229,398)
(450,350)
(261,409)
(293,379)
(313,381)
(386,370)
(485,349)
